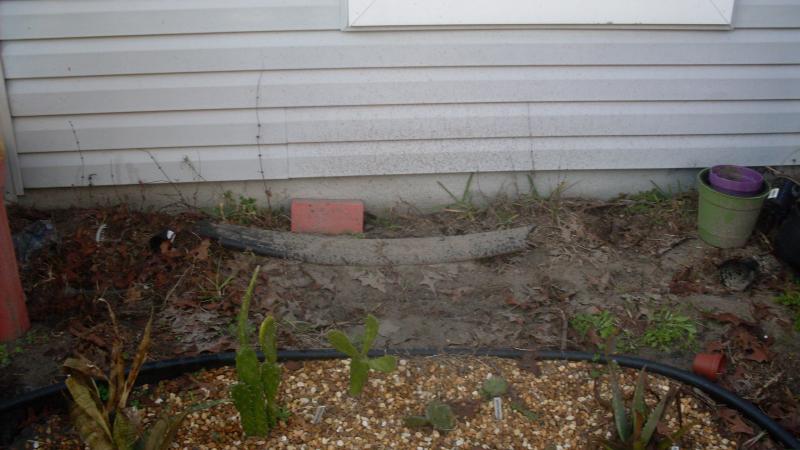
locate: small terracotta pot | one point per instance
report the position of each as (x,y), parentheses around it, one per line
(709,365)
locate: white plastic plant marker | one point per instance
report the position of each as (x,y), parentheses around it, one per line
(773,193)
(498,408)
(318,414)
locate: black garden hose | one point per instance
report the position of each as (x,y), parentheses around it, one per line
(14,411)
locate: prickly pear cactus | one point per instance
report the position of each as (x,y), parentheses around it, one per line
(249,401)
(360,362)
(255,395)
(270,370)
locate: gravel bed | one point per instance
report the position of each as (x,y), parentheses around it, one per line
(560,396)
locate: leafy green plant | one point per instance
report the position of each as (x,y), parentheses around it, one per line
(667,330)
(661,206)
(602,323)
(792,300)
(438,415)
(216,288)
(110,424)
(242,210)
(636,427)
(360,362)
(387,221)
(645,201)
(255,395)
(494,387)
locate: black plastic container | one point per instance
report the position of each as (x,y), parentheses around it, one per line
(787,241)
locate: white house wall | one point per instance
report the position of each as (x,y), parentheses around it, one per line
(122,92)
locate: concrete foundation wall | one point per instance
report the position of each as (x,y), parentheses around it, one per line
(379,193)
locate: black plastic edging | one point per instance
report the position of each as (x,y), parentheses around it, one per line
(14,410)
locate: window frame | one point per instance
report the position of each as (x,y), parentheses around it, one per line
(439,14)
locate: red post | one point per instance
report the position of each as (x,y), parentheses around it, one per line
(13,312)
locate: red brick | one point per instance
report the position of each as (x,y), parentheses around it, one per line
(327,216)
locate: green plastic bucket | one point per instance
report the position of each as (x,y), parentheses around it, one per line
(726,221)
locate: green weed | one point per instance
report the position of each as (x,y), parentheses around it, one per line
(602,323)
(243,210)
(661,205)
(7,354)
(646,201)
(462,205)
(5,358)
(387,222)
(552,202)
(668,330)
(504,217)
(792,300)
(216,287)
(604,326)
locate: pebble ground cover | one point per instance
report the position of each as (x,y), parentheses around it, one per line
(555,408)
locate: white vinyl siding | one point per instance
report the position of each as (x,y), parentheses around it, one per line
(176,83)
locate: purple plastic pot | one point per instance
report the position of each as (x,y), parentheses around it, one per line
(735,180)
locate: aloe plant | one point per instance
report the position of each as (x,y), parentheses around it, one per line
(360,362)
(636,429)
(256,394)
(438,415)
(110,424)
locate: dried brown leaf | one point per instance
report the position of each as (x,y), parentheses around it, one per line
(752,347)
(116,381)
(200,252)
(734,421)
(730,318)
(529,363)
(715,347)
(163,432)
(138,360)
(81,365)
(466,409)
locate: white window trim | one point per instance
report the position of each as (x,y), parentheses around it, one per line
(425,14)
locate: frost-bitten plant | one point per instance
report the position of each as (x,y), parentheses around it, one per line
(438,415)
(255,395)
(110,424)
(360,363)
